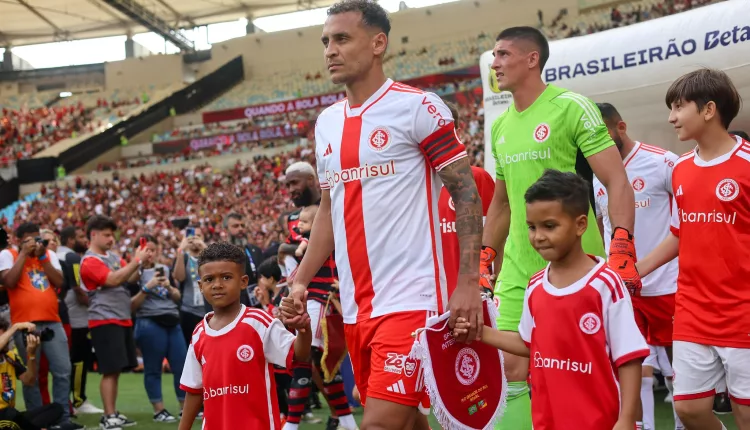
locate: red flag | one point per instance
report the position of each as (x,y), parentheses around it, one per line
(466,383)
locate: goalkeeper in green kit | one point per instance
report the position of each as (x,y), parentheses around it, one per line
(546,127)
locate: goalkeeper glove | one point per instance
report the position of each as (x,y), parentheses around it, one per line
(485,269)
(622,260)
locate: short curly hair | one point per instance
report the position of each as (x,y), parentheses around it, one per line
(222,251)
(373,14)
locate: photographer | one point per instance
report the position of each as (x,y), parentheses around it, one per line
(104,276)
(12,368)
(157,329)
(192,306)
(31,274)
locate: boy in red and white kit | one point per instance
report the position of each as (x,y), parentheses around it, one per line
(228,369)
(711,233)
(649,169)
(577,324)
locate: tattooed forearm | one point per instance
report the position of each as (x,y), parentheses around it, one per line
(459,181)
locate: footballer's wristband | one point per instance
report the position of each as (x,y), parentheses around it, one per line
(629,235)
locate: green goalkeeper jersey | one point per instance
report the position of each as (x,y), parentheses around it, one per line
(556,132)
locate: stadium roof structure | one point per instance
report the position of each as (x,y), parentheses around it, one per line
(27,22)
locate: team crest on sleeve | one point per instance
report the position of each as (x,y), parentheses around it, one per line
(638,183)
(467,366)
(727,190)
(245,353)
(590,323)
(379,139)
(541,132)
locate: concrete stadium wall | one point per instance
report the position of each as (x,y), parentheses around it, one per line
(158,70)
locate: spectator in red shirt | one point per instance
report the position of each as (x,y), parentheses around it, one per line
(104,276)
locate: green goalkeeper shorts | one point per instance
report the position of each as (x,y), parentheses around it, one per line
(511,305)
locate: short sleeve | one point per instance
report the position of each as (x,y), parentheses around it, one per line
(499,173)
(191,380)
(670,159)
(320,152)
(54,260)
(625,340)
(526,325)
(6,260)
(93,273)
(435,132)
(598,198)
(278,344)
(674,224)
(15,360)
(590,134)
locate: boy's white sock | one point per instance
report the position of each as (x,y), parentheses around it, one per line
(347,422)
(647,401)
(290,426)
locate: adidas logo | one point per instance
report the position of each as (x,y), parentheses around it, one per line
(329,151)
(600,192)
(398,387)
(679,191)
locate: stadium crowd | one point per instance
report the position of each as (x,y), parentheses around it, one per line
(159,223)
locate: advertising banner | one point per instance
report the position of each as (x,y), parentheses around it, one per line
(198,143)
(273,108)
(629,60)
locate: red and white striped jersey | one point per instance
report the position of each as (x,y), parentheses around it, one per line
(379,162)
(712,221)
(578,337)
(649,169)
(231,369)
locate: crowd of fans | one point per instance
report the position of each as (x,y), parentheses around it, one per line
(619,16)
(150,204)
(25,132)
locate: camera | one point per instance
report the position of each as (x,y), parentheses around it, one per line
(160,271)
(44,335)
(44,242)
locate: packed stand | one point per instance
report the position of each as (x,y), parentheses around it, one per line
(296,120)
(31,128)
(148,204)
(188,154)
(25,132)
(620,15)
